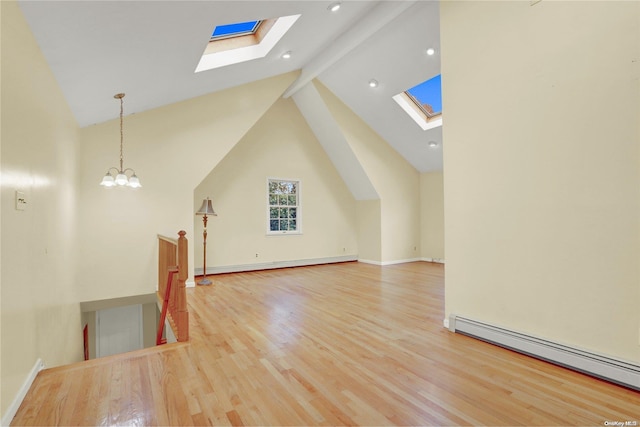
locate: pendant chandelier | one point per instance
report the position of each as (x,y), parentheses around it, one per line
(121,178)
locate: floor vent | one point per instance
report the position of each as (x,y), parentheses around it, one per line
(617,371)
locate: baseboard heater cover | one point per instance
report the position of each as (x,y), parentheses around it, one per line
(617,371)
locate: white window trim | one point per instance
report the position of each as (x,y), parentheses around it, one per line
(299,207)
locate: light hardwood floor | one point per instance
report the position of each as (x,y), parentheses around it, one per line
(341,344)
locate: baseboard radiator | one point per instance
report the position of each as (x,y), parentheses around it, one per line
(620,372)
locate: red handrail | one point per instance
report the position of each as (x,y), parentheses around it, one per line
(165,305)
(175,297)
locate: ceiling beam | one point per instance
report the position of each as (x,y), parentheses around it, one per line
(378,17)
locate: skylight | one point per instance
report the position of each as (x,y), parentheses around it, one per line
(423,103)
(428,96)
(243,41)
(235,30)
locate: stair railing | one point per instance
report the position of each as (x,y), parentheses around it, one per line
(173,292)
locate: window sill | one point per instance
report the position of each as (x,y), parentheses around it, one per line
(284,233)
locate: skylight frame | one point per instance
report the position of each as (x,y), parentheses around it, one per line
(234,50)
(415,109)
(429,116)
(243,33)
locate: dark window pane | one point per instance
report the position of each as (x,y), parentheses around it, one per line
(284,212)
(273,186)
(293,212)
(273,200)
(282,200)
(273,213)
(273,225)
(284,224)
(292,224)
(292,200)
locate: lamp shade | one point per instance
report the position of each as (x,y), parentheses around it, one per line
(107,181)
(121,179)
(134,182)
(206,208)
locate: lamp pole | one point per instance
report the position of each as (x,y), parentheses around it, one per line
(204,280)
(205,209)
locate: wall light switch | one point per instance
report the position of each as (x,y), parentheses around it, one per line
(21,201)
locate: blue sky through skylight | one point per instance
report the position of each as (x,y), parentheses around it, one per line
(429,92)
(235,29)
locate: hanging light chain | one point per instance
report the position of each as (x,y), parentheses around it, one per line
(120,96)
(121,177)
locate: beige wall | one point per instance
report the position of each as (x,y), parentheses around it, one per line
(172,149)
(395,180)
(369,228)
(280,145)
(432,215)
(542,164)
(40,313)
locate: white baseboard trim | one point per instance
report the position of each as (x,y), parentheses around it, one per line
(436,260)
(190,283)
(398,261)
(276,264)
(369,261)
(17,401)
(597,365)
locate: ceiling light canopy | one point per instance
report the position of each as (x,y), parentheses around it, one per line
(286,55)
(433,144)
(121,177)
(373,83)
(431,51)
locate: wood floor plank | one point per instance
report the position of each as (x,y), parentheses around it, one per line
(339,344)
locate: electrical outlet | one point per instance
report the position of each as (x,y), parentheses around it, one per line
(256,255)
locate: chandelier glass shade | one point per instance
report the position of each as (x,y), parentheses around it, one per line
(121,176)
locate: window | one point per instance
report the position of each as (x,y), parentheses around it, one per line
(284,206)
(235,30)
(243,41)
(423,103)
(428,96)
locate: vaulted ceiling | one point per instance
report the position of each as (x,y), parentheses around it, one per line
(150,49)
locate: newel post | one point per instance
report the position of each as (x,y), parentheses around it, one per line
(181,291)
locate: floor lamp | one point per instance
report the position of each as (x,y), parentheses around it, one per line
(205,209)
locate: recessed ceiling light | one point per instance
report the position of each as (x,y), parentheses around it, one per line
(431,51)
(433,144)
(334,7)
(373,83)
(286,55)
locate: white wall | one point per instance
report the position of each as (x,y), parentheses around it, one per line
(40,314)
(542,169)
(280,145)
(395,180)
(432,215)
(172,149)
